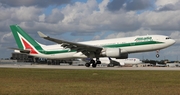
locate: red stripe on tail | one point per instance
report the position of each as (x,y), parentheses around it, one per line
(27,46)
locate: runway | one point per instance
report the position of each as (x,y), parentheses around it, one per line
(87,68)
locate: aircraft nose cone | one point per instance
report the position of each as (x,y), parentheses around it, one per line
(172,42)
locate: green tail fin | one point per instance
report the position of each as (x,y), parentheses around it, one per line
(24,41)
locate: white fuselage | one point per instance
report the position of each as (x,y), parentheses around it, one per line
(127,45)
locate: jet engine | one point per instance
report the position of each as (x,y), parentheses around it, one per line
(114,53)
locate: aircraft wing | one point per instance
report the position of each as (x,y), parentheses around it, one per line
(85,49)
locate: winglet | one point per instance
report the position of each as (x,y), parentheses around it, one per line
(42,35)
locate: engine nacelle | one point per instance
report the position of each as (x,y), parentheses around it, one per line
(114,53)
(123,56)
(111,52)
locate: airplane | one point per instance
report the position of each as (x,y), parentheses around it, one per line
(160,65)
(172,64)
(121,62)
(115,48)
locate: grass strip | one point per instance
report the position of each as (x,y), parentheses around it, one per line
(88,82)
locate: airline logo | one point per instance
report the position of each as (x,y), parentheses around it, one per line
(144,39)
(27,45)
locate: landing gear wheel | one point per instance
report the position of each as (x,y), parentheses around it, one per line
(92,62)
(157,55)
(94,65)
(87,64)
(98,62)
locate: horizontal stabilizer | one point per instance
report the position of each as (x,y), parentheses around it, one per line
(21,50)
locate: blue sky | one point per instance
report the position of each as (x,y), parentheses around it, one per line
(82,20)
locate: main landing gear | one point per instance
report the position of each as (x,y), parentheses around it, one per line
(93,62)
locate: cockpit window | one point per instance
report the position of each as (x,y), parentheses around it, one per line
(168,37)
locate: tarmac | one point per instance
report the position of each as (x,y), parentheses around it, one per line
(85,68)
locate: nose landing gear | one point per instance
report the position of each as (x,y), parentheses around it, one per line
(157,55)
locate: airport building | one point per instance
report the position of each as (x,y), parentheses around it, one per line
(22,57)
